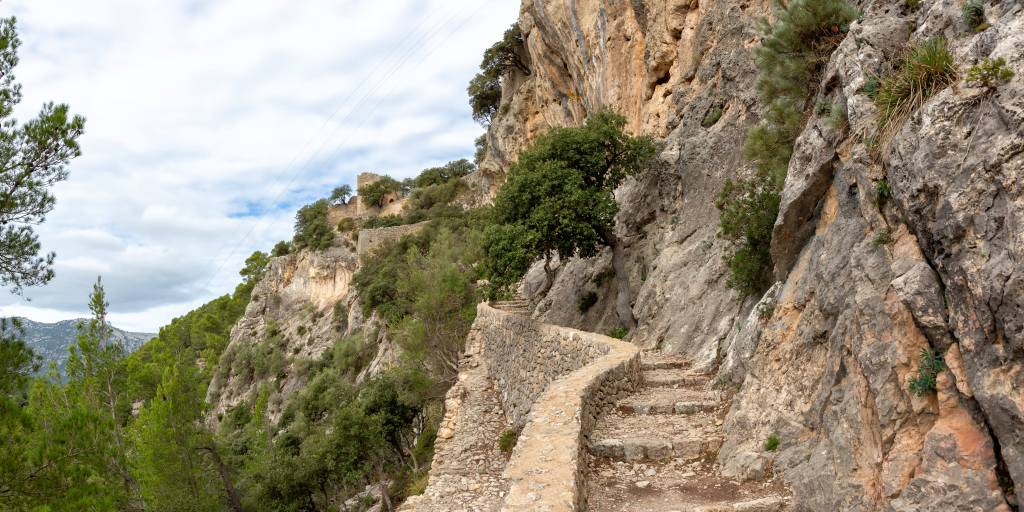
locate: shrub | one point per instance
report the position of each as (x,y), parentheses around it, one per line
(913,4)
(507,441)
(374,193)
(989,73)
(974,15)
(485,88)
(618,333)
(747,216)
(432,200)
(311,228)
(481,149)
(441,175)
(883,237)
(923,71)
(347,225)
(823,108)
(772,443)
(793,51)
(928,367)
(587,301)
(882,192)
(712,116)
(870,87)
(838,118)
(340,316)
(282,248)
(384,221)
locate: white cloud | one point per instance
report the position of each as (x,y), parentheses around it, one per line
(210,122)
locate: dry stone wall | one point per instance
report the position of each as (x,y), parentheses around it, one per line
(552,383)
(373,239)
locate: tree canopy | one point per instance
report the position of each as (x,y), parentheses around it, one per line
(559,201)
(33,157)
(485,88)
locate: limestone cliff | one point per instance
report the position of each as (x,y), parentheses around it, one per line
(823,361)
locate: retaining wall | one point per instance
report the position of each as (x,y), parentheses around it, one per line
(554,383)
(372,239)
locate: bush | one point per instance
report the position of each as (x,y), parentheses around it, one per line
(384,221)
(311,228)
(925,70)
(485,88)
(587,301)
(928,367)
(882,192)
(748,209)
(883,237)
(974,15)
(374,193)
(712,116)
(772,443)
(618,333)
(792,54)
(989,73)
(440,175)
(481,149)
(282,248)
(507,441)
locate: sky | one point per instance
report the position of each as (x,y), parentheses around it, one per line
(210,122)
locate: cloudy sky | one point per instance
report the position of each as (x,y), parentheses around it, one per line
(209,122)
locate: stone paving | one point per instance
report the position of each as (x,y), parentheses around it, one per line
(655,451)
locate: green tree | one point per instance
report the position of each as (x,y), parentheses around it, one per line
(281,248)
(559,201)
(485,88)
(312,230)
(443,174)
(255,266)
(33,157)
(794,50)
(341,194)
(173,456)
(374,193)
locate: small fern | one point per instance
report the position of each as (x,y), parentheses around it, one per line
(928,367)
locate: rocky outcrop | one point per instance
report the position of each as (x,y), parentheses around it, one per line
(867,282)
(304,303)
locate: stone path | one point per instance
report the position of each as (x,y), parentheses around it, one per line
(655,451)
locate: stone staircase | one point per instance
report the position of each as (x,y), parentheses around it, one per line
(656,451)
(518,305)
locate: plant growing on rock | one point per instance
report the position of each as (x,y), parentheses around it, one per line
(925,69)
(712,116)
(772,443)
(559,201)
(793,52)
(883,237)
(618,333)
(974,15)
(929,365)
(485,88)
(989,73)
(507,441)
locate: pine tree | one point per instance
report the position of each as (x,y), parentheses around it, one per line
(33,157)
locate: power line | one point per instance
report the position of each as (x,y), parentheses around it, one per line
(423,40)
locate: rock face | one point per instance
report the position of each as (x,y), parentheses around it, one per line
(305,300)
(866,284)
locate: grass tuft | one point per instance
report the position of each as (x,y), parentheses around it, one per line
(974,15)
(507,441)
(772,443)
(924,70)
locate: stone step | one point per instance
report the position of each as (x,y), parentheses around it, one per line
(674,378)
(660,361)
(765,504)
(635,448)
(670,401)
(655,437)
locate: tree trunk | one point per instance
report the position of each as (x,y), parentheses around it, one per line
(622,299)
(225,477)
(549,277)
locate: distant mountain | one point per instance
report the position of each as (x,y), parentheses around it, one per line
(51,341)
